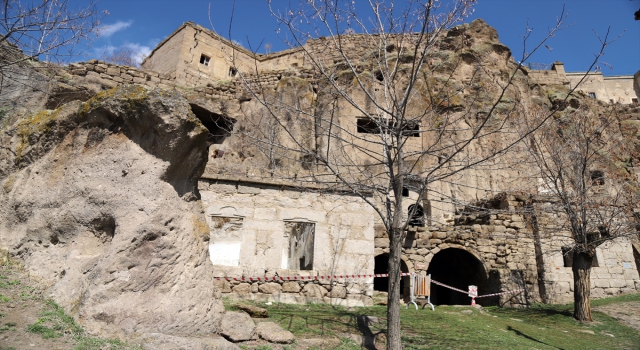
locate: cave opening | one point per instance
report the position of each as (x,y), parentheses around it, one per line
(381,284)
(219,126)
(460,269)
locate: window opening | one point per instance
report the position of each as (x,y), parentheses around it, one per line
(367,126)
(592,94)
(225,240)
(370,126)
(597,178)
(411,130)
(301,241)
(204,59)
(233,71)
(417,215)
(379,76)
(567,256)
(405,192)
(634,101)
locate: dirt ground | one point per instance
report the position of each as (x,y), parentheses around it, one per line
(20,306)
(626,313)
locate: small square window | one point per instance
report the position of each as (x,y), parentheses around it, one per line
(597,178)
(634,101)
(592,94)
(233,71)
(204,59)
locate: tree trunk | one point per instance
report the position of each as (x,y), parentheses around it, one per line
(582,286)
(393,302)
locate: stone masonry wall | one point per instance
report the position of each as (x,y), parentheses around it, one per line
(502,243)
(343,241)
(548,77)
(614,271)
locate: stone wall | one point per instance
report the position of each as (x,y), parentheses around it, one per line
(548,77)
(614,270)
(110,75)
(614,89)
(259,244)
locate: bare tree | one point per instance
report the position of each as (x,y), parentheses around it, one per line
(584,167)
(46,31)
(123,56)
(410,102)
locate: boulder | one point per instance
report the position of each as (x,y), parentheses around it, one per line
(338,292)
(242,288)
(254,311)
(291,287)
(237,326)
(99,202)
(156,341)
(270,288)
(314,290)
(273,333)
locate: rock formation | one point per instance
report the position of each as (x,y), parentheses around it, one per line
(99,201)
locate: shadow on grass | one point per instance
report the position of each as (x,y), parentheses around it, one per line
(517,332)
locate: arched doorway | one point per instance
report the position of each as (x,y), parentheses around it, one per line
(457,268)
(381,284)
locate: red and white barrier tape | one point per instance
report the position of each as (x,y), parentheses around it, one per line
(501,293)
(447,286)
(479,296)
(302,278)
(335,277)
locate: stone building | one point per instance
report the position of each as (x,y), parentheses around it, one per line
(621,89)
(266,227)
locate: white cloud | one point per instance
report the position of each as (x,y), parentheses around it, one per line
(108,30)
(136,51)
(139,52)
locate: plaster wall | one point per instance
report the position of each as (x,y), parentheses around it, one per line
(344,240)
(167,57)
(616,89)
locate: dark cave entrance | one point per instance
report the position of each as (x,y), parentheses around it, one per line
(381,284)
(460,269)
(219,126)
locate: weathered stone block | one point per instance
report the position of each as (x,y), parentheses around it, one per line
(338,292)
(270,288)
(113,71)
(600,283)
(273,333)
(236,326)
(291,287)
(617,283)
(381,242)
(224,286)
(242,288)
(314,290)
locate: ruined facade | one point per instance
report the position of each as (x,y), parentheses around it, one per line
(265,227)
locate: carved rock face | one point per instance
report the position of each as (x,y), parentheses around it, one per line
(98,200)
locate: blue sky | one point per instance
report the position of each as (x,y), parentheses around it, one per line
(142,24)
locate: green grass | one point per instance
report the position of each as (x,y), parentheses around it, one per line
(4,284)
(90,343)
(613,300)
(54,323)
(4,298)
(9,326)
(449,327)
